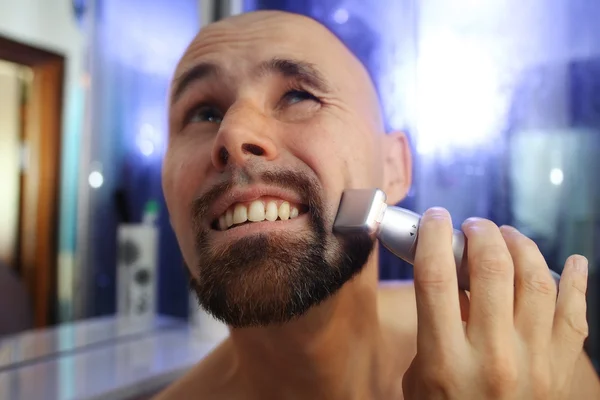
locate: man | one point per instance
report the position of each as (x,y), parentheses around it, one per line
(271,119)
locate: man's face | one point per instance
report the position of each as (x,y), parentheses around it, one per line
(270,120)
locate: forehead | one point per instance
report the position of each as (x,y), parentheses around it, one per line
(243,42)
(239,44)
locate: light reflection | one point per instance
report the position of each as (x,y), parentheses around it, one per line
(95,179)
(341,16)
(556,176)
(147,140)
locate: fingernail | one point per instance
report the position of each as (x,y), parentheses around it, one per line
(509,228)
(471,221)
(580,264)
(437,212)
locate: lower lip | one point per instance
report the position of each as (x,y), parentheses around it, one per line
(251,228)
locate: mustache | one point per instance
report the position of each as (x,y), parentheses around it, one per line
(305,186)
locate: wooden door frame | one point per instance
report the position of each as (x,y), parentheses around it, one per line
(41,181)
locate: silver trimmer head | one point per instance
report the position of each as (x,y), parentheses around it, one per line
(364,211)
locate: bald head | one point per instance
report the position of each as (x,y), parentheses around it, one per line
(271,118)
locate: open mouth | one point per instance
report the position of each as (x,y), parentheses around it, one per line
(263,209)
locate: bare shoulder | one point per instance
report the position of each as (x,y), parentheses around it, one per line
(211,378)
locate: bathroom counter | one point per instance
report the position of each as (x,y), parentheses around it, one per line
(33,345)
(134,366)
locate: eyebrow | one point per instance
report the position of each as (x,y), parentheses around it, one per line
(301,71)
(198,72)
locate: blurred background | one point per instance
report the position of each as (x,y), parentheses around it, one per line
(501,100)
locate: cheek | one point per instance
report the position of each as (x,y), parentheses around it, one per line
(342,152)
(183,173)
(341,155)
(187,164)
(178,179)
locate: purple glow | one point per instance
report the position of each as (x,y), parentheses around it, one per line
(150,35)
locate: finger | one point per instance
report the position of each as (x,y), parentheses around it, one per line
(436,283)
(570,327)
(535,290)
(491,278)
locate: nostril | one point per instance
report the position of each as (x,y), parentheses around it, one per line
(253,149)
(223,155)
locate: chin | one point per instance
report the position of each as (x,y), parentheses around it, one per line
(271,279)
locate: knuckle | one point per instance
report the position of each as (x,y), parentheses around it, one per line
(440,377)
(539,283)
(578,324)
(527,245)
(491,260)
(431,278)
(501,376)
(580,285)
(541,384)
(541,391)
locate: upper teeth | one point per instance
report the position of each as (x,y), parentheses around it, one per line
(257,211)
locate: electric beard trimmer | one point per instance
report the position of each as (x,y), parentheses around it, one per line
(364,211)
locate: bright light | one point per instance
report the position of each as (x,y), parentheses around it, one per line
(146,139)
(459,101)
(147,130)
(556,176)
(341,16)
(146,147)
(95,179)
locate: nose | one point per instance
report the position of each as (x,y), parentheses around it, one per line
(244,135)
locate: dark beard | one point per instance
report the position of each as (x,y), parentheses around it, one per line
(273,278)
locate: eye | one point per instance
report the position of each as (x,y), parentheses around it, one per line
(205,114)
(297,96)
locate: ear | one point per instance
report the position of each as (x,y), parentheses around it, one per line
(397,166)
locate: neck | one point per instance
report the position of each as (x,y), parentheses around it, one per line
(335,351)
